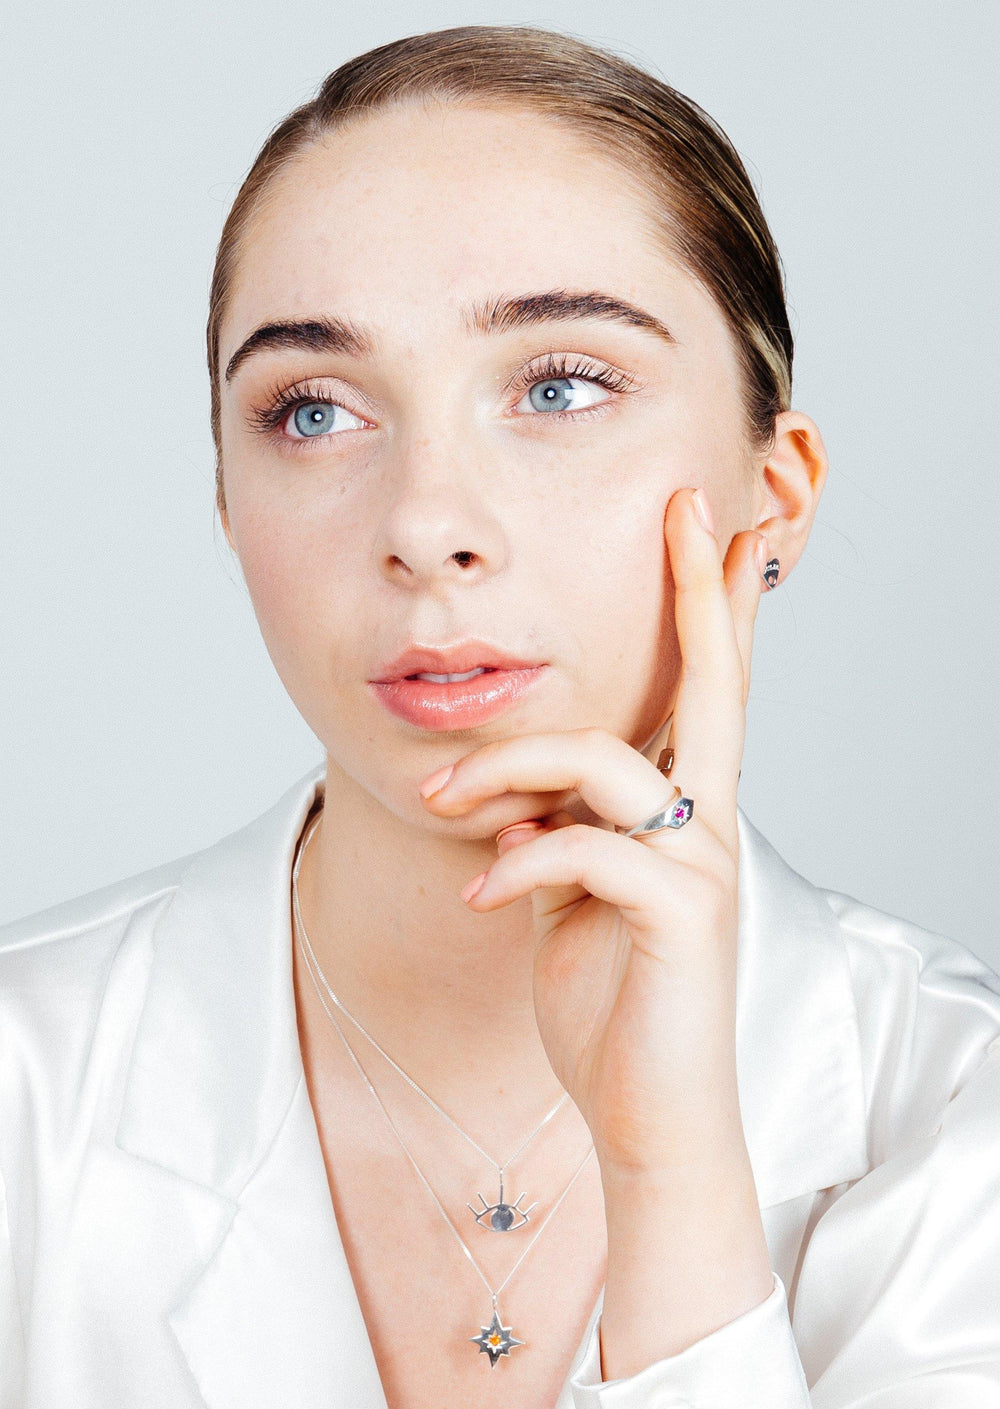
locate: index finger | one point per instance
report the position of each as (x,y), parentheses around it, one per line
(709,721)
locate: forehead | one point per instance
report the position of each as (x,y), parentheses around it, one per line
(406,214)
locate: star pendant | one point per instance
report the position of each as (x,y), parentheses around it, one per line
(495,1339)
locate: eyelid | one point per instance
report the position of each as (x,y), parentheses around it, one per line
(285,397)
(269,414)
(559,365)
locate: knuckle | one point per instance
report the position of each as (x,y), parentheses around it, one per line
(577,838)
(575,844)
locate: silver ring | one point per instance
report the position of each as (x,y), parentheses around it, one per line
(676,813)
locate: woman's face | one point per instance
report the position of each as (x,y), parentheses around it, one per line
(441,437)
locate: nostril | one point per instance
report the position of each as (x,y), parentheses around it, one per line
(463,557)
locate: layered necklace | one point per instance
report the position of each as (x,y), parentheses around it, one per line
(496,1339)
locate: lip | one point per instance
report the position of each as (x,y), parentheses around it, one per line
(450,660)
(456,704)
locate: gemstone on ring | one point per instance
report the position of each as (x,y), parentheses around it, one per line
(682,812)
(675,814)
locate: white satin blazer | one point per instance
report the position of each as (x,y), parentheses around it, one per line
(167,1235)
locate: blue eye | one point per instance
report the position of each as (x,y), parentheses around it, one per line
(316,418)
(559,394)
(570,386)
(313,419)
(564,386)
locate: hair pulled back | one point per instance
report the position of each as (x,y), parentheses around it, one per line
(712,220)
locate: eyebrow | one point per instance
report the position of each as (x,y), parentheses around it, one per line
(332,334)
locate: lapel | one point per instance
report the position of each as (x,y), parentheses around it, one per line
(215,1094)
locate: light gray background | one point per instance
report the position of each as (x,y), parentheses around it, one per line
(141,718)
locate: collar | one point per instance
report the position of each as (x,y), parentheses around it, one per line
(218,1028)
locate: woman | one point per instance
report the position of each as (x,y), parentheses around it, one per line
(501,376)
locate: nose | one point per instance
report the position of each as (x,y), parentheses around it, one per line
(439,527)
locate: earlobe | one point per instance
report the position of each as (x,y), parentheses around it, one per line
(788,487)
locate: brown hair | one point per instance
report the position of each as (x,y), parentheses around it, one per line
(712,221)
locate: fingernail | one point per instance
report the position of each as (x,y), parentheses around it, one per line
(760,554)
(473,888)
(516,833)
(436,781)
(702,510)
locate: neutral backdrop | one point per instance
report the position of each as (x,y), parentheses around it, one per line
(140,716)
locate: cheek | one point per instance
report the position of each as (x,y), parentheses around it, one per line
(614,575)
(285,579)
(630,620)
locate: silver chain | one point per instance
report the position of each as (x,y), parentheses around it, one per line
(419,1089)
(420,1172)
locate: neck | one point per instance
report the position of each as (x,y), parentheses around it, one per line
(446,992)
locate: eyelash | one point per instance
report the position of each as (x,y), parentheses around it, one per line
(283,400)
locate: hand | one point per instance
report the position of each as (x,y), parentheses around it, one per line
(635,966)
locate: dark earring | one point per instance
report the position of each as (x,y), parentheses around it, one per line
(771,573)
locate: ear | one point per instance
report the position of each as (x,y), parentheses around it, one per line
(788,486)
(220,505)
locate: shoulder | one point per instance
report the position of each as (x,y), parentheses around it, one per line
(865,927)
(932,977)
(165,945)
(899,1257)
(928,1016)
(67,941)
(71,979)
(873,1021)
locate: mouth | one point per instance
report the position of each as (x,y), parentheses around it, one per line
(440,700)
(453,679)
(446,664)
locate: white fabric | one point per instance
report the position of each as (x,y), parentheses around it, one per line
(167,1236)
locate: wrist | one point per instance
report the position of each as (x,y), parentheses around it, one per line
(719,1152)
(659,1202)
(687,1254)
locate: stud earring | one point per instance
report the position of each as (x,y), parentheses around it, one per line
(771,574)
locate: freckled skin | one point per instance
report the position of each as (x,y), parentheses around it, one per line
(396,222)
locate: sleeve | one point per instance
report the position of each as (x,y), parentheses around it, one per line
(11,1336)
(750,1363)
(896,1299)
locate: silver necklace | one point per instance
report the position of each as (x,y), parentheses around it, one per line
(503,1217)
(495,1339)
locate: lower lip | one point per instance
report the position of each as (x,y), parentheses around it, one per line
(455,704)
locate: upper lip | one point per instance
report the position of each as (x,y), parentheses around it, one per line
(449,660)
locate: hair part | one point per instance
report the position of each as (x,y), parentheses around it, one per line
(712,222)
